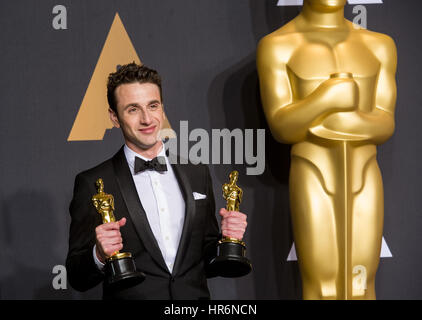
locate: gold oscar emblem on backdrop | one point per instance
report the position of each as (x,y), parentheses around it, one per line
(92,119)
(231,261)
(120,268)
(328,88)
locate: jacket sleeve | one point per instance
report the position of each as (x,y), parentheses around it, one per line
(212,231)
(83,274)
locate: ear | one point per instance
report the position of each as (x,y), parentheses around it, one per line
(114,118)
(164,113)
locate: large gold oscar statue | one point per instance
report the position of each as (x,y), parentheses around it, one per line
(328,88)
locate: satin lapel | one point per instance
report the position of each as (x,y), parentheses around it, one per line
(185,185)
(135,209)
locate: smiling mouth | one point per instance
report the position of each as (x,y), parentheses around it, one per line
(148,130)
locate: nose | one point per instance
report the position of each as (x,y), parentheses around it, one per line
(146,117)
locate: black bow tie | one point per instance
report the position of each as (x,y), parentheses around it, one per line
(157,164)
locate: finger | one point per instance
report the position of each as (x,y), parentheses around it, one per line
(109,233)
(242,224)
(111,244)
(237,214)
(231,219)
(122,222)
(223,212)
(111,241)
(233,229)
(110,250)
(109,226)
(101,235)
(236,225)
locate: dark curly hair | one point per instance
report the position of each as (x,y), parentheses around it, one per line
(130,73)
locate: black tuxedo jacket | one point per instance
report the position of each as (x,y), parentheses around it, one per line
(197,243)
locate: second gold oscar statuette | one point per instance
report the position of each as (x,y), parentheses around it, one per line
(231,261)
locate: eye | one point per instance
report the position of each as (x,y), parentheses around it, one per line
(154,106)
(132,109)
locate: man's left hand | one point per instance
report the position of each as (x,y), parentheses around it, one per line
(233,224)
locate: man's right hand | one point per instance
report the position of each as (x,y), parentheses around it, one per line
(108,239)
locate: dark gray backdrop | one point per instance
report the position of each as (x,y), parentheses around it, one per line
(205,51)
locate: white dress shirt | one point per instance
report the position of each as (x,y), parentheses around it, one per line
(163,203)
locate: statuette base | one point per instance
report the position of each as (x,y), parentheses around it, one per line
(121,272)
(230,261)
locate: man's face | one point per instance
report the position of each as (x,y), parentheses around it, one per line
(140,115)
(326,5)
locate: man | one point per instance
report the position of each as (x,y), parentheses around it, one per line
(164,217)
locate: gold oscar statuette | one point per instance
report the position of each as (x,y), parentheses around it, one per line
(328,88)
(120,268)
(231,261)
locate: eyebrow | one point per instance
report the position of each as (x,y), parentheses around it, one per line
(134,104)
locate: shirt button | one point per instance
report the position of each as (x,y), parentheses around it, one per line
(167,238)
(162,209)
